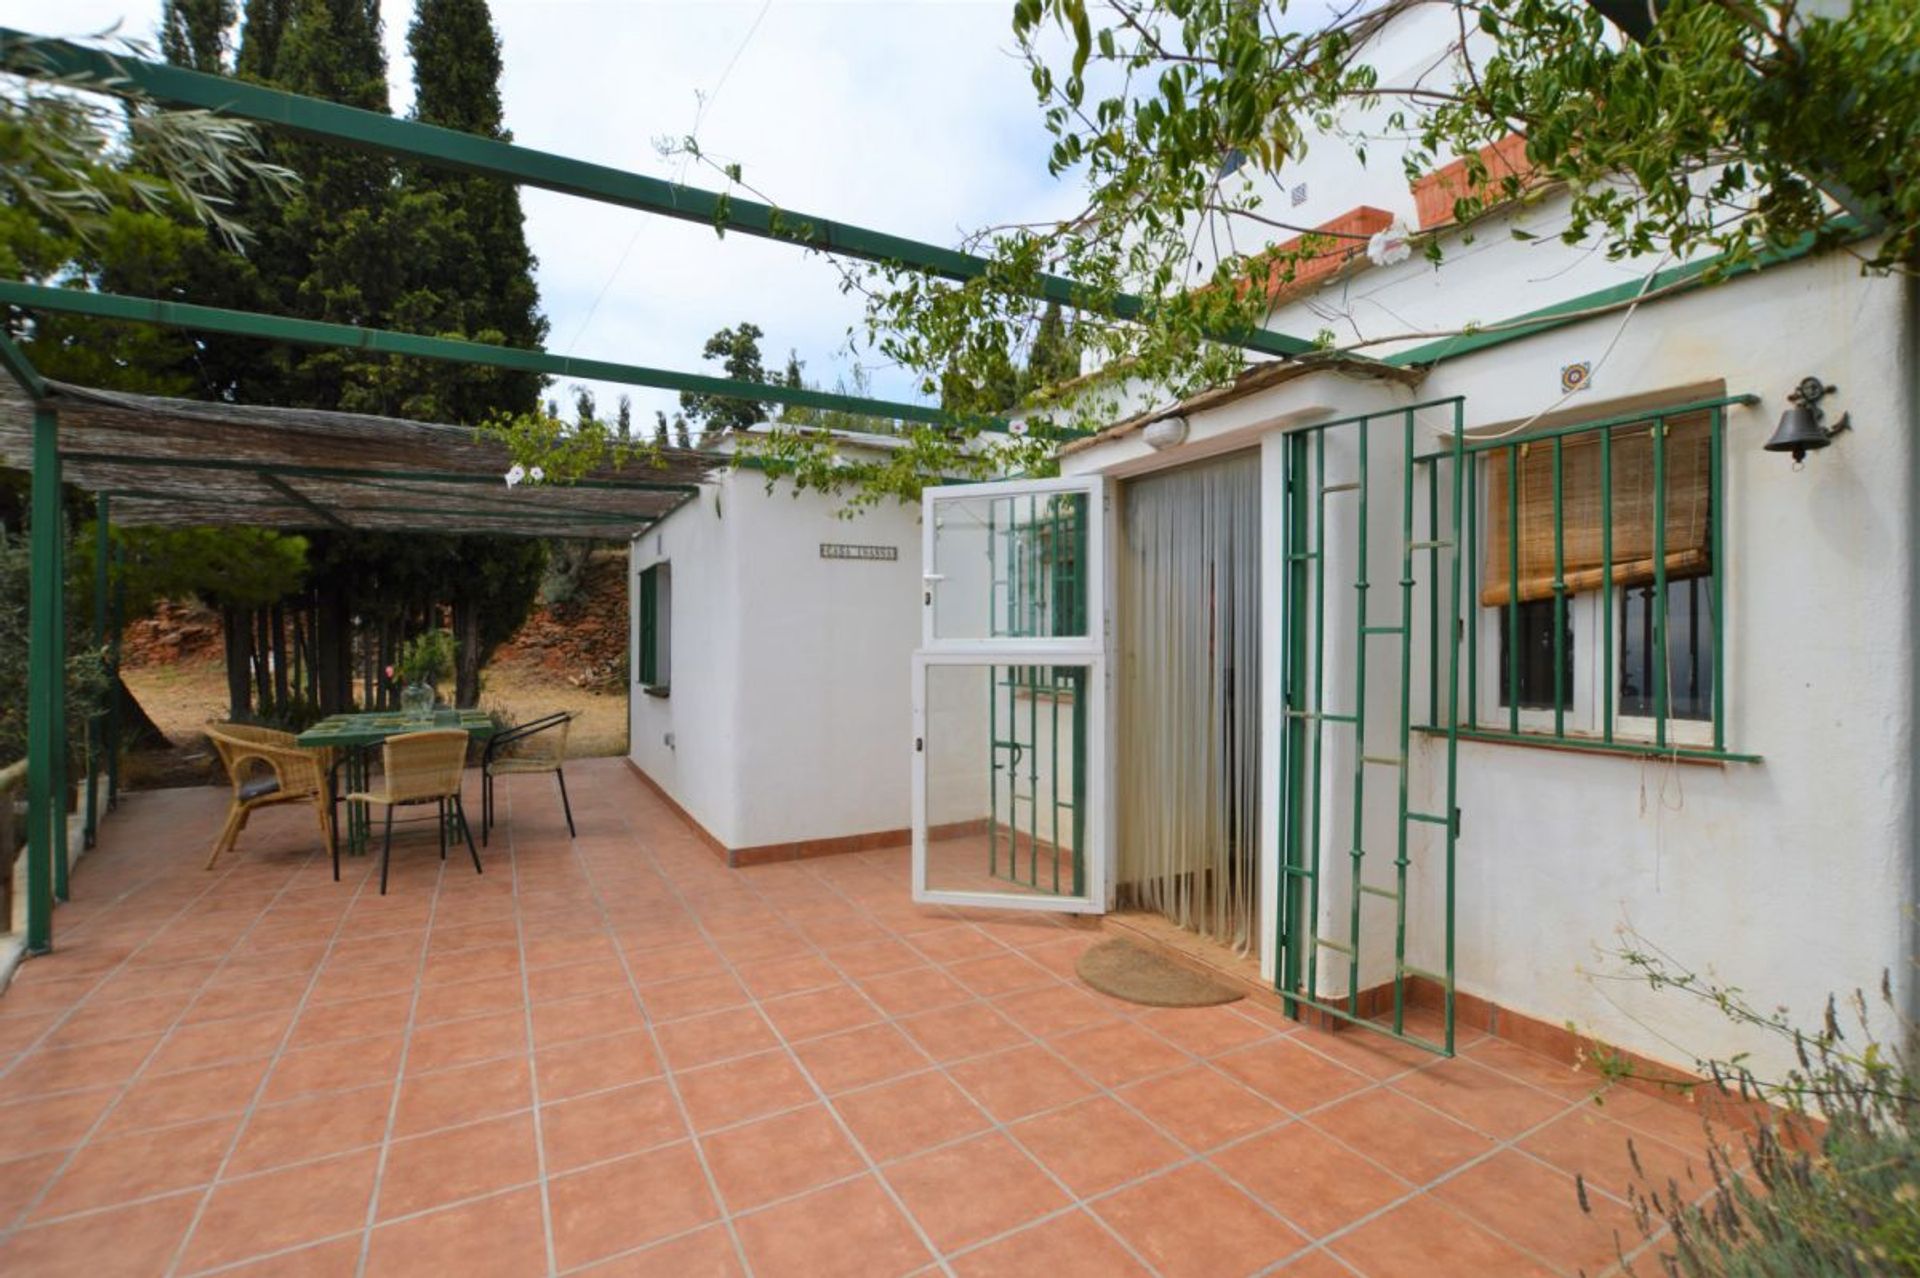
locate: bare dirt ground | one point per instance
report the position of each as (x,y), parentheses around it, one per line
(183,696)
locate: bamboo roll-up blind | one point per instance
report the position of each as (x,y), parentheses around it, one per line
(1688,459)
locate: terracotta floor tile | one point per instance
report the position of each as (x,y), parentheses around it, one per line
(464,1095)
(276,1135)
(1535,1069)
(217,1042)
(1095,1145)
(100,1022)
(626,1204)
(548,983)
(1480,1097)
(749,1087)
(458,1162)
(954,1033)
(22,1179)
(1119,1053)
(184,1097)
(606,1125)
(334,1068)
(469,998)
(134,1242)
(64,1069)
(859,1057)
(852,1228)
(503,1235)
(705,1253)
(955,943)
(717,1036)
(588,1065)
(770,978)
(590,1016)
(1291,1075)
(1189,1223)
(1588,1143)
(1070,1246)
(1021,1081)
(1057,1009)
(974,1190)
(357,1018)
(693,996)
(1537,1208)
(478,1038)
(120,1169)
(674,962)
(55,1122)
(1318,1264)
(1205,1031)
(1314,1181)
(1422,1239)
(999,974)
(799,1017)
(1201,1108)
(561,951)
(339,1258)
(909,1114)
(917,989)
(875,958)
(1408,1139)
(280,1209)
(778,1157)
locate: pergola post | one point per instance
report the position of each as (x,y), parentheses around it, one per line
(117,619)
(46,720)
(96,723)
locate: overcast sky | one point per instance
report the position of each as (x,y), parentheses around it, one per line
(904,115)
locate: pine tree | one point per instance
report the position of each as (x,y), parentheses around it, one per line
(738,350)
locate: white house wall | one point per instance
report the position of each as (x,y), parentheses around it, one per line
(1790,878)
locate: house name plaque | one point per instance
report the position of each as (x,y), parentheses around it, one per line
(844,550)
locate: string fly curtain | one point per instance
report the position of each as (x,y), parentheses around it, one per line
(1687,461)
(1189,739)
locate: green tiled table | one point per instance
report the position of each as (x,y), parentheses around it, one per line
(357,735)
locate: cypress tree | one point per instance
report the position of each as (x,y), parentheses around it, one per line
(193,33)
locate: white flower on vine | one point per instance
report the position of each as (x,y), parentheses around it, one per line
(515,473)
(1018,426)
(1393,244)
(537,475)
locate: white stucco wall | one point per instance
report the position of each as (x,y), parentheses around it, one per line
(790,709)
(1792,878)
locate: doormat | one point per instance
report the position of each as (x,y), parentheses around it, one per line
(1138,975)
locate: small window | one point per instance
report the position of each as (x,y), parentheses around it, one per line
(655,638)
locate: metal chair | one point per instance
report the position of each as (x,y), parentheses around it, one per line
(265,768)
(419,767)
(536,746)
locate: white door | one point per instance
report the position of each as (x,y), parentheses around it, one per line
(1010,697)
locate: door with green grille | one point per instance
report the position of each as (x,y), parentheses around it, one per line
(1370,677)
(1009,697)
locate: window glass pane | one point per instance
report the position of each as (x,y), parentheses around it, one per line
(1689,650)
(1010,567)
(1535,640)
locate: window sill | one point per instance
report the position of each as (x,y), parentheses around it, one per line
(1705,756)
(660,690)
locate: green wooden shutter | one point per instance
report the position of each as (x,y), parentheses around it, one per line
(650,625)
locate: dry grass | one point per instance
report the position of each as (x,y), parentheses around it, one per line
(184,696)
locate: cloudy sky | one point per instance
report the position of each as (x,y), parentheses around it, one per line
(905,115)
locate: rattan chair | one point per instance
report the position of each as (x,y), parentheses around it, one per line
(416,768)
(265,768)
(536,746)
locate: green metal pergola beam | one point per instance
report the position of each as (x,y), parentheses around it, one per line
(280,328)
(300,499)
(525,166)
(21,369)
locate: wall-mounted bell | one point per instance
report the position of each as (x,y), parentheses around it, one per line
(1801,430)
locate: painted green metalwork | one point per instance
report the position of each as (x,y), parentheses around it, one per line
(97,723)
(46,827)
(301,332)
(118,621)
(1657,423)
(1308,721)
(371,130)
(17,366)
(300,499)
(650,626)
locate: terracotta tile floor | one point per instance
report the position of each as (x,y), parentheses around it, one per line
(611,1054)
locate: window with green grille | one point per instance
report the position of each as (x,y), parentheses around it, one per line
(656,586)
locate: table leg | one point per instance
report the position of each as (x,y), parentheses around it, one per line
(359,816)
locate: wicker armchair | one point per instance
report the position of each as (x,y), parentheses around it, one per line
(419,767)
(539,745)
(266,767)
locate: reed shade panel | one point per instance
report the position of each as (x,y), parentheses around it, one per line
(1689,480)
(1189,702)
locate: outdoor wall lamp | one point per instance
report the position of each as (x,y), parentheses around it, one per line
(1800,431)
(1168,432)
